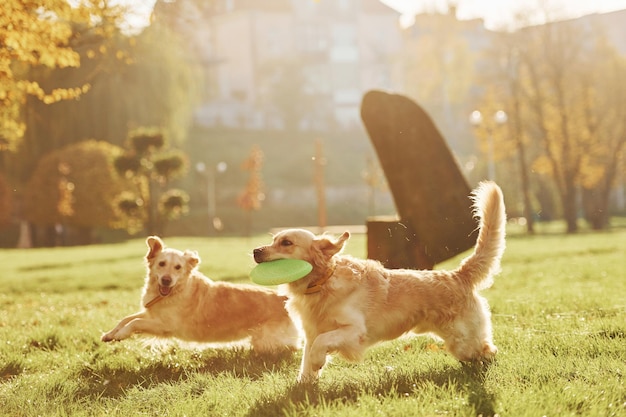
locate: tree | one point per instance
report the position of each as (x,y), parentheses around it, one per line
(143,80)
(5,202)
(571,111)
(505,94)
(72,188)
(132,80)
(44,46)
(252,197)
(438,69)
(41,35)
(32,36)
(605,116)
(150,166)
(561,86)
(553,93)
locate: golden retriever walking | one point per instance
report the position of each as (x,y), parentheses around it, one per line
(346,304)
(178,301)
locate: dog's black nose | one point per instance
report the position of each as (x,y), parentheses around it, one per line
(166,280)
(258,254)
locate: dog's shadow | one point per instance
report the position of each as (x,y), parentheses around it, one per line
(468,380)
(112,378)
(247,363)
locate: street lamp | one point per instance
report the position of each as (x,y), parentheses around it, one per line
(499,118)
(215,223)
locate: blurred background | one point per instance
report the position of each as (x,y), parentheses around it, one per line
(233,117)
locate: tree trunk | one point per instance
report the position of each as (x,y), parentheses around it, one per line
(521,150)
(149,201)
(596,200)
(595,207)
(25,240)
(570,208)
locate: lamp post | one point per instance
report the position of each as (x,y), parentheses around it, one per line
(499,118)
(215,223)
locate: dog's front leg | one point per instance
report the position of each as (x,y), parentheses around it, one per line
(347,340)
(149,326)
(306,373)
(113,334)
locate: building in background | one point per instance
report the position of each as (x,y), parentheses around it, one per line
(288,63)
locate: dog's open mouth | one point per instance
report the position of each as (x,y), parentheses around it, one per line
(164,291)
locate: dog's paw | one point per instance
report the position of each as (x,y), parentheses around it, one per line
(308,377)
(317,358)
(489,352)
(108,337)
(310,372)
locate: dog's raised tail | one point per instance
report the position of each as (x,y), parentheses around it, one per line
(480,267)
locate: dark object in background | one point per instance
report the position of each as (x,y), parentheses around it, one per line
(429,190)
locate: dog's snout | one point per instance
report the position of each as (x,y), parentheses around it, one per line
(166,280)
(258,254)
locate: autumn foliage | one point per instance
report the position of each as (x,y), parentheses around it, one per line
(34,34)
(561,85)
(74,187)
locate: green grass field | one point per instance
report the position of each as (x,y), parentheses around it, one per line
(559,311)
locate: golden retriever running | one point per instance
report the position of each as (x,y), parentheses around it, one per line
(178,301)
(346,304)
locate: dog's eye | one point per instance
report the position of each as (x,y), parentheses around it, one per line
(177,267)
(162,263)
(286,242)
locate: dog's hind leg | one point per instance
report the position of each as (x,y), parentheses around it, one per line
(470,337)
(470,349)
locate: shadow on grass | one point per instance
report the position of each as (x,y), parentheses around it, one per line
(11,368)
(111,380)
(468,381)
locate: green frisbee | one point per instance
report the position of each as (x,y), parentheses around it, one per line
(280,271)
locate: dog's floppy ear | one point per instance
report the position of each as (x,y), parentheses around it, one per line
(156,246)
(329,247)
(192,257)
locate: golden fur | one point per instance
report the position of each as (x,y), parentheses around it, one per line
(363,303)
(178,301)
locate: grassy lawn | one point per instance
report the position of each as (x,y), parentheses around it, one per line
(559,310)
